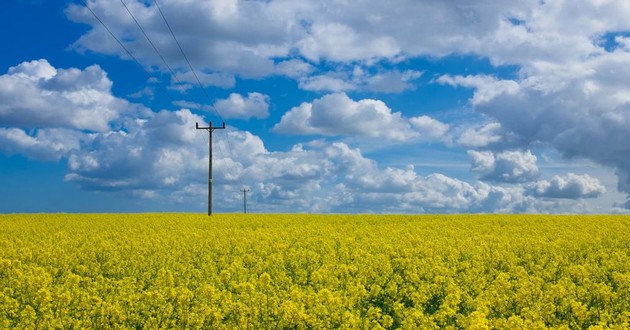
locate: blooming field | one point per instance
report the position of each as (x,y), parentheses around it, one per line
(310,271)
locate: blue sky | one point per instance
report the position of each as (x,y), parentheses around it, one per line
(331,106)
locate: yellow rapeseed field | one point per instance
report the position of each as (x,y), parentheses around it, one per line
(314,272)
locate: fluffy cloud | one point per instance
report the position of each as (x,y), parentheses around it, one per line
(161,156)
(232,40)
(254,105)
(46,112)
(582,112)
(506,166)
(165,156)
(162,152)
(570,186)
(337,114)
(35,94)
(429,127)
(358,78)
(226,38)
(483,136)
(570,92)
(43,144)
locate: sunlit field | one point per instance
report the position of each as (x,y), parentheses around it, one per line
(313,272)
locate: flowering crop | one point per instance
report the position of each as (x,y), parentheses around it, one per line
(314,271)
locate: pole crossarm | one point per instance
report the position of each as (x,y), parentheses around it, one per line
(210,130)
(210,127)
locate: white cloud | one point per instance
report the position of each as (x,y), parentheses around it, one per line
(231,41)
(35,94)
(358,78)
(333,82)
(570,186)
(582,113)
(162,156)
(44,144)
(162,152)
(483,136)
(339,42)
(294,68)
(486,88)
(567,87)
(337,114)
(190,105)
(48,113)
(506,166)
(254,105)
(429,127)
(391,81)
(229,44)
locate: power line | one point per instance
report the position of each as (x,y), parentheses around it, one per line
(162,57)
(151,43)
(114,36)
(192,69)
(203,90)
(122,45)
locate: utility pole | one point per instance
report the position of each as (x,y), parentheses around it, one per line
(244,191)
(210,129)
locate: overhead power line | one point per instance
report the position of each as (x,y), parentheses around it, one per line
(151,43)
(135,59)
(113,35)
(185,57)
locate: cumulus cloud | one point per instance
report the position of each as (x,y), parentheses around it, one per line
(581,113)
(486,87)
(254,105)
(358,31)
(158,153)
(569,92)
(294,68)
(37,95)
(338,114)
(227,39)
(568,86)
(314,177)
(43,144)
(483,136)
(570,186)
(357,78)
(330,82)
(429,127)
(506,166)
(232,41)
(47,112)
(393,81)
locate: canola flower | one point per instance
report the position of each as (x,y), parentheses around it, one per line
(165,271)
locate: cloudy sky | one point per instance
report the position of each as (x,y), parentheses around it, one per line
(419,106)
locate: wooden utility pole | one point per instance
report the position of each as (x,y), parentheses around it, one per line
(244,191)
(210,129)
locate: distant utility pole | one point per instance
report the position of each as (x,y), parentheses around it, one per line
(210,129)
(245,191)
